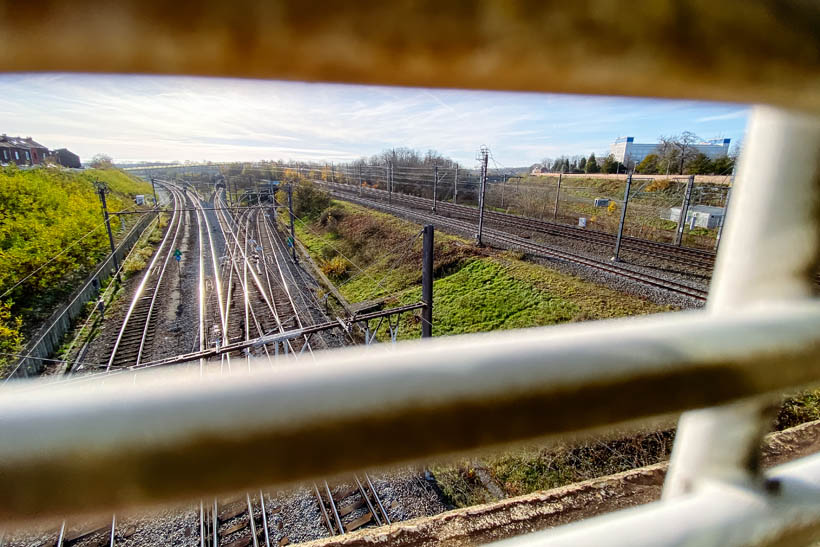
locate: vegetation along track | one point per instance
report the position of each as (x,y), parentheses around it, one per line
(507,240)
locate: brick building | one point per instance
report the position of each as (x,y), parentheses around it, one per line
(21,151)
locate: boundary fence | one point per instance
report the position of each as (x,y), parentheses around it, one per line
(47,339)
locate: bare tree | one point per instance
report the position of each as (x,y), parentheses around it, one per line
(102,161)
(678,149)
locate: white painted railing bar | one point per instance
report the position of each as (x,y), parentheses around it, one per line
(150,440)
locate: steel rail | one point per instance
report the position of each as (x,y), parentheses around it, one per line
(255,278)
(323,509)
(234,246)
(377,498)
(682,255)
(276,247)
(264,519)
(366,499)
(140,289)
(540,249)
(634,244)
(158,284)
(334,510)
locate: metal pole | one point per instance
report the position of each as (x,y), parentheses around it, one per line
(557,195)
(684,209)
(101,192)
(455,186)
(361,181)
(623,218)
(154,186)
(427,283)
(387,181)
(725,208)
(292,229)
(484,156)
(435,186)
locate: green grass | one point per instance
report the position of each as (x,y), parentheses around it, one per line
(475,290)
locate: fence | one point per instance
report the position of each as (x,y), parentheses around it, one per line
(652,214)
(48,338)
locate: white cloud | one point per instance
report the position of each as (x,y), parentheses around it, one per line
(170,118)
(743,113)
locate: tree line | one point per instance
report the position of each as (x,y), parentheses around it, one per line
(674,155)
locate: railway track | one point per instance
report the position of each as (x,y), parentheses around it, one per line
(136,333)
(351,508)
(508,240)
(699,259)
(263,300)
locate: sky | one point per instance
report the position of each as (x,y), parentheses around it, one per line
(169,118)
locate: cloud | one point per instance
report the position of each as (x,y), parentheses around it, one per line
(727,116)
(171,118)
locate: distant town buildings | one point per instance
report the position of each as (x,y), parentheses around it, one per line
(27,151)
(625,149)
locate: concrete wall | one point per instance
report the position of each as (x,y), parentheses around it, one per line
(49,337)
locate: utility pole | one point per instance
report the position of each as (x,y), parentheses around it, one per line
(101,190)
(455,186)
(292,229)
(435,185)
(483,155)
(427,283)
(684,209)
(361,181)
(623,219)
(154,186)
(557,195)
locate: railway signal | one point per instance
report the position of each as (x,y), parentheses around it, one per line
(178,258)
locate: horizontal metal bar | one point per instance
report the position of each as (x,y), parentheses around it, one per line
(680,47)
(160,436)
(276,337)
(725,514)
(265,207)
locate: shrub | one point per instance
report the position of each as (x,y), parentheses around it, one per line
(331,217)
(336,267)
(658,185)
(11,339)
(308,200)
(137,261)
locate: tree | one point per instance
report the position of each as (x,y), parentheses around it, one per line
(102,161)
(582,163)
(609,165)
(678,149)
(650,165)
(700,164)
(723,165)
(591,165)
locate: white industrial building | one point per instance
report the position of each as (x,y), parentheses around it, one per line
(626,149)
(699,216)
